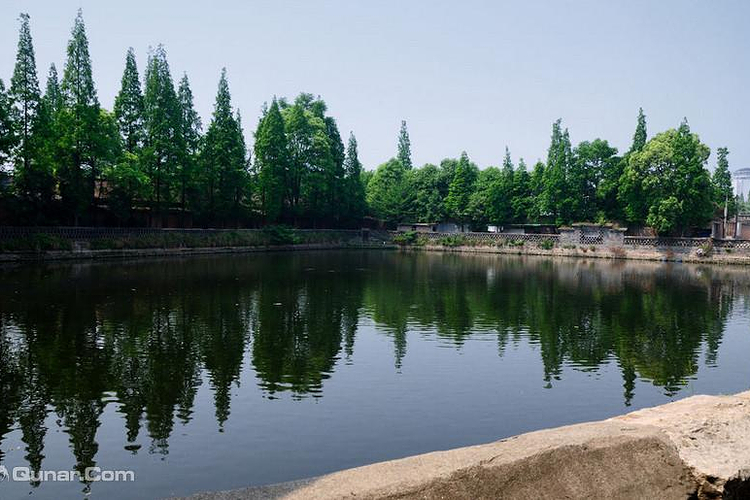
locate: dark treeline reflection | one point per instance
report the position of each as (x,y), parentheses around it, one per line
(146,335)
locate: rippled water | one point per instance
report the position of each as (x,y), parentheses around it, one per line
(223,372)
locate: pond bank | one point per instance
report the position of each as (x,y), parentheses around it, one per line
(135,253)
(698,447)
(663,254)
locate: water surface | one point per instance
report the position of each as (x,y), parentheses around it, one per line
(212,373)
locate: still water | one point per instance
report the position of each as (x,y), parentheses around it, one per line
(212,373)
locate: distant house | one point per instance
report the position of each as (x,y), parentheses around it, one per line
(419,227)
(525,229)
(433,227)
(452,227)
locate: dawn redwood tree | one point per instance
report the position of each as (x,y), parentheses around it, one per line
(522,199)
(271,162)
(557,198)
(223,160)
(7,138)
(640,137)
(335,174)
(34,179)
(53,96)
(459,193)
(404,147)
(722,181)
(85,144)
(483,205)
(128,107)
(354,191)
(594,163)
(163,144)
(191,129)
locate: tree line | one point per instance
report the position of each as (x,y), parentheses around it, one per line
(150,161)
(662,182)
(74,162)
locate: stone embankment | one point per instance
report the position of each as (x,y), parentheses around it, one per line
(696,448)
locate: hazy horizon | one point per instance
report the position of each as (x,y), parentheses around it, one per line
(473,76)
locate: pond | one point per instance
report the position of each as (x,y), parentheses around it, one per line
(212,373)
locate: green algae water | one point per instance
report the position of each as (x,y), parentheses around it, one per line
(212,373)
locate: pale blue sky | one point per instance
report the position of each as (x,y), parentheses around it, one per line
(467,75)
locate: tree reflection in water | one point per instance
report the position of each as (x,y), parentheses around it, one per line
(148,334)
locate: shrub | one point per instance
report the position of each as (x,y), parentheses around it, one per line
(546,244)
(453,241)
(407,238)
(39,242)
(279,235)
(706,249)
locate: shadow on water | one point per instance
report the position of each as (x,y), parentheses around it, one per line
(148,334)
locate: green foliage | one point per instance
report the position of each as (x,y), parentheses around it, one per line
(354,201)
(461,188)
(406,238)
(456,240)
(272,162)
(385,191)
(163,139)
(722,182)
(225,179)
(640,136)
(547,244)
(404,147)
(73,160)
(128,107)
(6,125)
(667,185)
(279,235)
(35,243)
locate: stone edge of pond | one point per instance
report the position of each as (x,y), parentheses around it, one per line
(698,447)
(58,255)
(660,254)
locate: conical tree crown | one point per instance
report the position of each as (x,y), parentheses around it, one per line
(404,147)
(24,85)
(78,80)
(128,107)
(640,136)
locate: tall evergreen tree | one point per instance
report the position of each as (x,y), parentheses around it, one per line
(557,200)
(25,97)
(335,187)
(7,138)
(223,159)
(83,147)
(640,136)
(191,129)
(355,203)
(163,145)
(404,147)
(461,187)
(271,162)
(722,181)
(34,179)
(53,97)
(128,107)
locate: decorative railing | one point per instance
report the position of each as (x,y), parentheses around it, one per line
(655,241)
(491,237)
(738,244)
(90,233)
